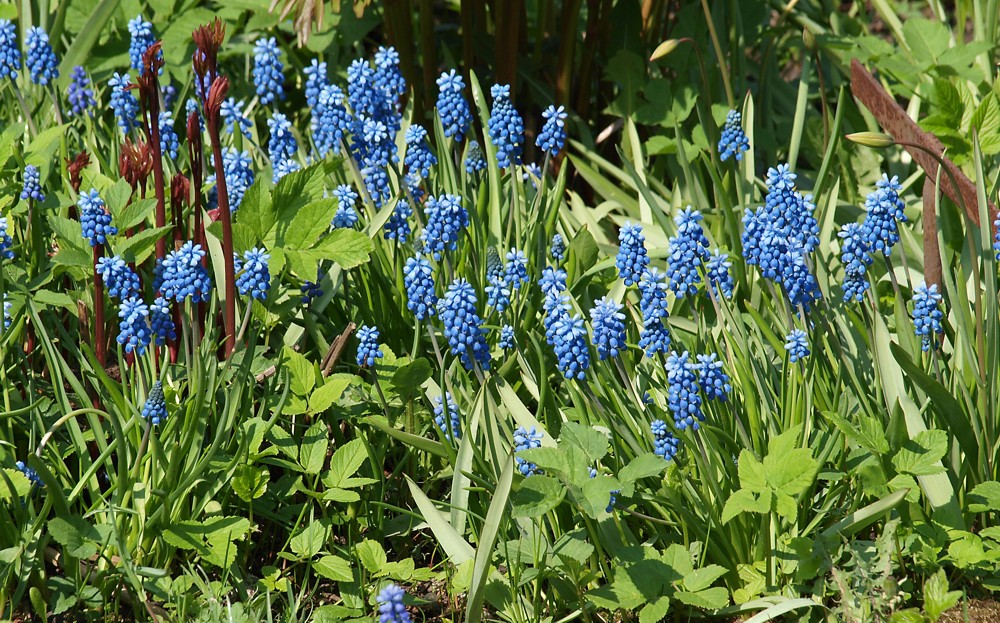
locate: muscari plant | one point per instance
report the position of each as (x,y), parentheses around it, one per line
(685,454)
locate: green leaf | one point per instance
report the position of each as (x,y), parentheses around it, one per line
(371,555)
(334,568)
(68,231)
(131,214)
(292,193)
(921,455)
(700,579)
(572,545)
(537,495)
(709,599)
(347,247)
(49,298)
(250,482)
(79,538)
(751,472)
(137,248)
(937,598)
(655,611)
(552,460)
(597,494)
(312,451)
(986,123)
(326,395)
(42,150)
(643,466)
(488,539)
(310,223)
(408,378)
(302,372)
(19,485)
(985,497)
(745,501)
(593,442)
(345,462)
(308,541)
(790,472)
(213,538)
(926,39)
(257,211)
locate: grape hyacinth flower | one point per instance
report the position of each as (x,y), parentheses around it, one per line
(654,337)
(419,157)
(717,274)
(267,70)
(316,80)
(927,314)
(312,289)
(388,76)
(368,349)
(454,417)
(798,282)
(446,218)
(880,228)
(141,32)
(32,188)
(797,345)
(133,331)
(345,216)
(418,278)
(506,129)
(609,327)
(160,322)
(5,240)
(398,225)
(682,392)
(95,220)
(557,249)
(463,326)
(506,341)
(120,280)
(714,382)
(79,95)
(665,444)
(237,167)
(283,168)
(191,108)
(996,236)
(330,120)
(570,345)
(43,67)
(516,269)
(281,144)
(7,306)
(254,278)
(552,138)
(688,251)
(168,136)
(10,54)
(733,141)
(474,158)
(451,105)
(631,259)
(233,117)
(526,439)
(497,293)
(494,267)
(155,407)
(413,185)
(30,474)
(552,281)
(169,96)
(123,102)
(376,149)
(182,275)
(390,605)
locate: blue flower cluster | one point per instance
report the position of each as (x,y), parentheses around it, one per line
(168,136)
(463,326)
(797,345)
(10,54)
(316,81)
(682,392)
(134,333)
(506,341)
(123,102)
(688,251)
(733,141)
(160,322)
(418,279)
(5,240)
(880,228)
(120,280)
(717,274)
(609,327)
(7,306)
(453,416)
(281,145)
(368,349)
(155,407)
(474,160)
(30,474)
(506,128)
(330,120)
(526,439)
(712,380)
(665,443)
(254,278)
(654,337)
(419,157)
(927,315)
(632,258)
(312,289)
(233,117)
(345,216)
(451,105)
(375,149)
(95,221)
(32,186)
(446,218)
(390,605)
(398,225)
(552,138)
(854,254)
(516,269)
(557,249)
(182,274)
(996,236)
(238,169)
(388,76)
(43,66)
(497,292)
(570,345)
(79,94)
(267,70)
(141,32)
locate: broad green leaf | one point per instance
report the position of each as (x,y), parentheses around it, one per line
(347,247)
(751,472)
(537,495)
(709,599)
(327,394)
(309,540)
(310,223)
(937,598)
(345,462)
(597,494)
(334,568)
(49,298)
(408,378)
(985,497)
(78,536)
(137,248)
(312,450)
(371,555)
(702,578)
(920,456)
(593,442)
(790,472)
(572,546)
(643,466)
(552,460)
(19,485)
(655,611)
(256,211)
(250,482)
(303,375)
(745,501)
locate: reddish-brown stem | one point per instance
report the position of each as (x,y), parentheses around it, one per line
(214,102)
